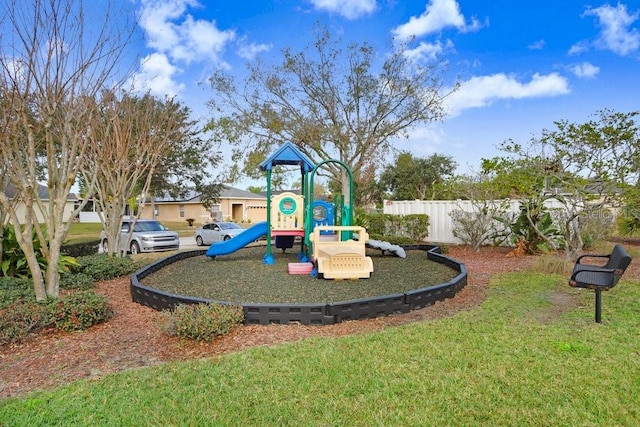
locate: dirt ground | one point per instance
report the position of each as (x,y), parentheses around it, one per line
(132,338)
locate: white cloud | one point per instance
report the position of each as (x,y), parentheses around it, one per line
(617,33)
(484,90)
(172,31)
(156,75)
(350,9)
(584,70)
(537,45)
(578,48)
(439,14)
(249,51)
(427,51)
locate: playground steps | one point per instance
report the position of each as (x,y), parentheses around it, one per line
(300,267)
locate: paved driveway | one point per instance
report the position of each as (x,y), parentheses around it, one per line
(189,243)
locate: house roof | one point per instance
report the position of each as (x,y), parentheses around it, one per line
(43,192)
(226,193)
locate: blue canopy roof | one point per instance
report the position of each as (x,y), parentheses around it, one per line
(288,154)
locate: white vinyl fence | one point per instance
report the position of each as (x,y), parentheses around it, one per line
(440,223)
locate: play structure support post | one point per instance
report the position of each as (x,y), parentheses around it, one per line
(268,258)
(346,211)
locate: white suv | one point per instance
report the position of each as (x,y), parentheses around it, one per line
(148,235)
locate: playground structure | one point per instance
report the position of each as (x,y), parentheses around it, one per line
(291,216)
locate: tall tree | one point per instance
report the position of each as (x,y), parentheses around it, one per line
(585,166)
(55,58)
(135,140)
(416,178)
(332,102)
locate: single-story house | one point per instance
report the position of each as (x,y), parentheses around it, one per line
(233,205)
(43,194)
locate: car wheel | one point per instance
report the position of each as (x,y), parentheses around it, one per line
(199,241)
(226,238)
(135,248)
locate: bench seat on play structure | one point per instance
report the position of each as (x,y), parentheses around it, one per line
(600,277)
(338,258)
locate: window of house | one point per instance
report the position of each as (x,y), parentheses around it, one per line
(181,207)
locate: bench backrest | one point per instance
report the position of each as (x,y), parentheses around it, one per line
(618,260)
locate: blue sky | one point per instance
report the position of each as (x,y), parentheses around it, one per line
(522,64)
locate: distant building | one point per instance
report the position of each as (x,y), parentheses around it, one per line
(233,205)
(43,194)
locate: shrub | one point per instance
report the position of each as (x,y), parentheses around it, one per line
(104,267)
(394,240)
(80,310)
(476,228)
(13,289)
(202,322)
(79,281)
(14,261)
(79,249)
(414,226)
(596,227)
(190,222)
(22,317)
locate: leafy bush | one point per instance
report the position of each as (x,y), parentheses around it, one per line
(104,267)
(13,289)
(414,226)
(394,240)
(14,261)
(80,248)
(202,322)
(79,281)
(534,226)
(20,318)
(80,310)
(596,227)
(479,227)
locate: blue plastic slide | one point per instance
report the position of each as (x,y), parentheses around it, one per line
(249,235)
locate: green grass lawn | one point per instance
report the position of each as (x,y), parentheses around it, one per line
(522,358)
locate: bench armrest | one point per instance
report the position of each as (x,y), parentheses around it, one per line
(581,257)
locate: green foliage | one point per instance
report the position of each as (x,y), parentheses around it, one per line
(202,322)
(80,310)
(533,227)
(104,267)
(322,85)
(595,227)
(15,288)
(416,178)
(78,281)
(394,240)
(22,317)
(81,248)
(414,226)
(14,261)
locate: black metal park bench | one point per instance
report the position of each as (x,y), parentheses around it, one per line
(600,277)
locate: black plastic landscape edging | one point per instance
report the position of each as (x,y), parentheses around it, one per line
(310,314)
